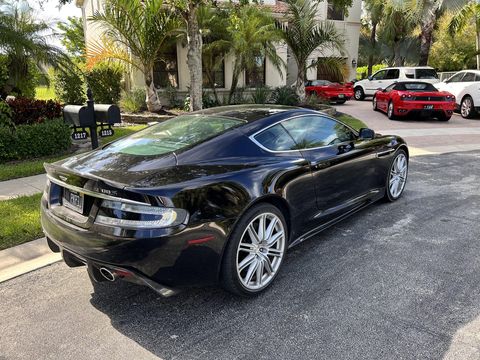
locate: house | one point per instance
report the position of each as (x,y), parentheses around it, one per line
(174,71)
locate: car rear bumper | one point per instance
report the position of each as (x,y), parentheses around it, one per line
(191,256)
(418,109)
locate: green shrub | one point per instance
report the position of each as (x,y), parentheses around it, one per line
(31,111)
(260,95)
(70,87)
(172,96)
(239,96)
(105,82)
(133,101)
(284,95)
(29,141)
(208,100)
(6,115)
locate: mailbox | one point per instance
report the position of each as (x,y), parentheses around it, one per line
(78,115)
(107,114)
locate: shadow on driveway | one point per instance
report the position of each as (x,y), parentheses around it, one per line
(394,281)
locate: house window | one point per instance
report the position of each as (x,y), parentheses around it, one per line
(215,77)
(165,69)
(255,77)
(334,12)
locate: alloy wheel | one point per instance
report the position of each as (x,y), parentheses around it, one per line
(398,175)
(358,94)
(374,103)
(466,107)
(260,251)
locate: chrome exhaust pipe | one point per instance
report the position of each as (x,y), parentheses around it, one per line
(107,274)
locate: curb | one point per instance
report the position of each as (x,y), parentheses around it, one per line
(25,258)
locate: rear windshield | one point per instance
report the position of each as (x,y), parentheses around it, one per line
(174,134)
(415,87)
(425,74)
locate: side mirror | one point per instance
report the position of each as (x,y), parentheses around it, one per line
(366,133)
(370,77)
(380,89)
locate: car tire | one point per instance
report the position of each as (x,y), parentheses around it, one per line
(467,107)
(391,111)
(444,117)
(341,102)
(374,103)
(397,176)
(358,93)
(244,254)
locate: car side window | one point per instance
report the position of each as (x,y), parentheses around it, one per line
(468,77)
(392,74)
(315,131)
(477,77)
(380,75)
(276,138)
(456,77)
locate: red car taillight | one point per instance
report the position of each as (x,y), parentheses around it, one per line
(407,97)
(450,98)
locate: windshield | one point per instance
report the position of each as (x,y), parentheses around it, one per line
(174,134)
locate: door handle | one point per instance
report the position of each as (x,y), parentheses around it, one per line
(384,153)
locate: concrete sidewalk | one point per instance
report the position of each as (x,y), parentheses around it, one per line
(22,186)
(24,258)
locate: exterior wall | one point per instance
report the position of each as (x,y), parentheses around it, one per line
(350,27)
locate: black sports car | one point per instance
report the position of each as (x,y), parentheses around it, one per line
(217,195)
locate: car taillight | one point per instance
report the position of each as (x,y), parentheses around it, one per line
(406,97)
(450,98)
(137,216)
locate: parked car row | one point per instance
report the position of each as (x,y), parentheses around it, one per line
(402,91)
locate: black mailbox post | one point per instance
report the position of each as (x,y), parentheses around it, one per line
(87,116)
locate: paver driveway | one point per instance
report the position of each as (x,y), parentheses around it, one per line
(425,136)
(393,282)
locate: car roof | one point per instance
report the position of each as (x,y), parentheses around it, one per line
(472,70)
(249,112)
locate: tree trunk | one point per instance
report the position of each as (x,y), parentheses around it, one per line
(373,41)
(194,57)
(478,48)
(233,87)
(426,34)
(397,56)
(152,99)
(300,84)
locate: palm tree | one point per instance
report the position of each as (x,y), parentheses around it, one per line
(397,28)
(470,13)
(24,41)
(135,31)
(427,13)
(253,37)
(375,12)
(216,42)
(304,34)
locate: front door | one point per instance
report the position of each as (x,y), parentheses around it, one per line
(342,167)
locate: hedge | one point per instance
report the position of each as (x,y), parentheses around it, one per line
(29,141)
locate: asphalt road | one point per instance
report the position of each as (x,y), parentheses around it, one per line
(395,281)
(425,136)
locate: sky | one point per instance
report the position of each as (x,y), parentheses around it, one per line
(50,12)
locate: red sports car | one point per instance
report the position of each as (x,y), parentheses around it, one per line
(333,92)
(414,98)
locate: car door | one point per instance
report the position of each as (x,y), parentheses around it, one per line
(383,97)
(469,86)
(453,85)
(375,82)
(343,167)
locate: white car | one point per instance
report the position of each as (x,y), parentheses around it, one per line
(465,85)
(386,77)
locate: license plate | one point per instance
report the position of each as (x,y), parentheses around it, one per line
(341,96)
(428,107)
(73,200)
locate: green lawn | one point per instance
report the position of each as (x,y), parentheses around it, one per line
(20,220)
(44,93)
(17,169)
(350,120)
